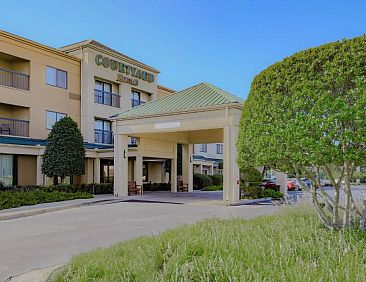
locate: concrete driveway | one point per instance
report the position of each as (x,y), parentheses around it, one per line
(50,239)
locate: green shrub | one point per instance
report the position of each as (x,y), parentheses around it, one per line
(201,181)
(271,193)
(250,176)
(217,179)
(92,188)
(14,199)
(157,187)
(213,188)
(252,192)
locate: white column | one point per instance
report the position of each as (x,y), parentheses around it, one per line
(96,170)
(173,176)
(121,165)
(138,170)
(188,166)
(200,168)
(231,169)
(281,179)
(39,175)
(212,169)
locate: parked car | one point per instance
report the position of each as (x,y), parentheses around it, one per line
(269,184)
(307,182)
(291,185)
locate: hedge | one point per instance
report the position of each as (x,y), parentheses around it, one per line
(201,181)
(92,188)
(217,179)
(14,199)
(157,187)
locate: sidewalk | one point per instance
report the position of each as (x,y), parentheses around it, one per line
(54,206)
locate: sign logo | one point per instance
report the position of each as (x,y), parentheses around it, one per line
(122,68)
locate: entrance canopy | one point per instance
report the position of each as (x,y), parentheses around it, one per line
(197,115)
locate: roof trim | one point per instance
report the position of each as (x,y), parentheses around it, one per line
(38,45)
(93,44)
(192,99)
(193,110)
(166,88)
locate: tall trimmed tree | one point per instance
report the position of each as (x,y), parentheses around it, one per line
(306,116)
(65,153)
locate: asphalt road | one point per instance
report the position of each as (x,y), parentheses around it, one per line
(46,240)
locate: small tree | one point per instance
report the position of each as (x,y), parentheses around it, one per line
(65,153)
(306,116)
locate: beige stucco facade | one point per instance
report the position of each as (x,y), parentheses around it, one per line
(101,83)
(26,98)
(27,57)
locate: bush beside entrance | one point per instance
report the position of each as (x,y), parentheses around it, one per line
(201,181)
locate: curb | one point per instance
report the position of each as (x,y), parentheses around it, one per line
(40,275)
(249,202)
(51,209)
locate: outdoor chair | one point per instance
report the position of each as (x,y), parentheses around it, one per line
(182,187)
(134,188)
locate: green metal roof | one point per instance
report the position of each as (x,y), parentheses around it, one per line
(202,95)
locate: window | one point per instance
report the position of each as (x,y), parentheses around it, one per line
(219,148)
(6,169)
(52,118)
(103,131)
(56,77)
(104,125)
(135,99)
(103,86)
(203,148)
(133,141)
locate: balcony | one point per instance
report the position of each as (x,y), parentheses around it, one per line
(107,98)
(14,127)
(103,136)
(135,103)
(14,79)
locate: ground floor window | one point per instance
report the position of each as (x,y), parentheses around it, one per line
(6,169)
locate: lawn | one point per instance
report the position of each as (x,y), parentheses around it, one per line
(290,246)
(14,199)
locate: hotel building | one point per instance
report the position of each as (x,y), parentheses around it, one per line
(99,87)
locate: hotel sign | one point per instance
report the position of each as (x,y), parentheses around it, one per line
(122,68)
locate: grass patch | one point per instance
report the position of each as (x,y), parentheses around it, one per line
(291,246)
(14,199)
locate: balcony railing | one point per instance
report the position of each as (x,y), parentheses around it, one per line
(103,136)
(14,79)
(15,127)
(135,103)
(107,98)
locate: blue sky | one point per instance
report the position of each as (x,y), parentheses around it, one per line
(225,43)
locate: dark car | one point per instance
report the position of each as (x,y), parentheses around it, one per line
(269,184)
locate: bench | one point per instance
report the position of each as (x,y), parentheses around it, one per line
(134,188)
(182,187)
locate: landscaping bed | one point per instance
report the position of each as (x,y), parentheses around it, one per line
(291,246)
(14,199)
